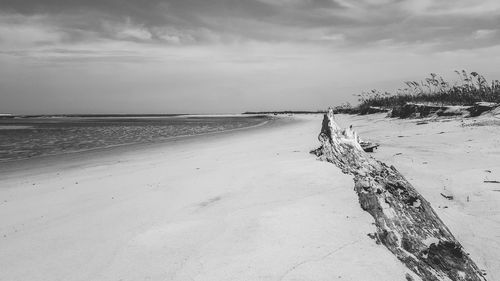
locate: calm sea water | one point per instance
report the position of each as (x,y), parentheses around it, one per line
(23,138)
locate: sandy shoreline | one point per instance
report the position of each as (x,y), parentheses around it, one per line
(245,205)
(10,167)
(252,205)
(43,164)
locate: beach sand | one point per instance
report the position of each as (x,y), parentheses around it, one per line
(246,205)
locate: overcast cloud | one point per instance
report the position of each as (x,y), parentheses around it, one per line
(187,55)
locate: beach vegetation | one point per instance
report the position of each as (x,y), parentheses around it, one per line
(468,89)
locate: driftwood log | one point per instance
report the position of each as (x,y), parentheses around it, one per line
(406,223)
(368,146)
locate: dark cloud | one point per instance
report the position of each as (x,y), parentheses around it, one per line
(190,20)
(351,23)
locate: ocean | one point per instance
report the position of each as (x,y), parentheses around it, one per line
(28,137)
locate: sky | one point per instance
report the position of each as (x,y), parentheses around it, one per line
(230,56)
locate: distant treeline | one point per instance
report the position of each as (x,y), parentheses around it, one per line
(88,115)
(470,88)
(286,112)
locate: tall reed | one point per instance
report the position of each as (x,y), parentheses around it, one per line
(470,88)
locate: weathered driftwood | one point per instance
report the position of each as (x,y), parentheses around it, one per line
(480,107)
(368,146)
(416,110)
(406,223)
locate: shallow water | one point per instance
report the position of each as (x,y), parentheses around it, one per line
(23,138)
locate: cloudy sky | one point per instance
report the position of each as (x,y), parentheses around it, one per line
(204,56)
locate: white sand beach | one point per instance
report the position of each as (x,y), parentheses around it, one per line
(246,205)
(253,205)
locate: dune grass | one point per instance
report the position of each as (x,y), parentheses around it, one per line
(470,88)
